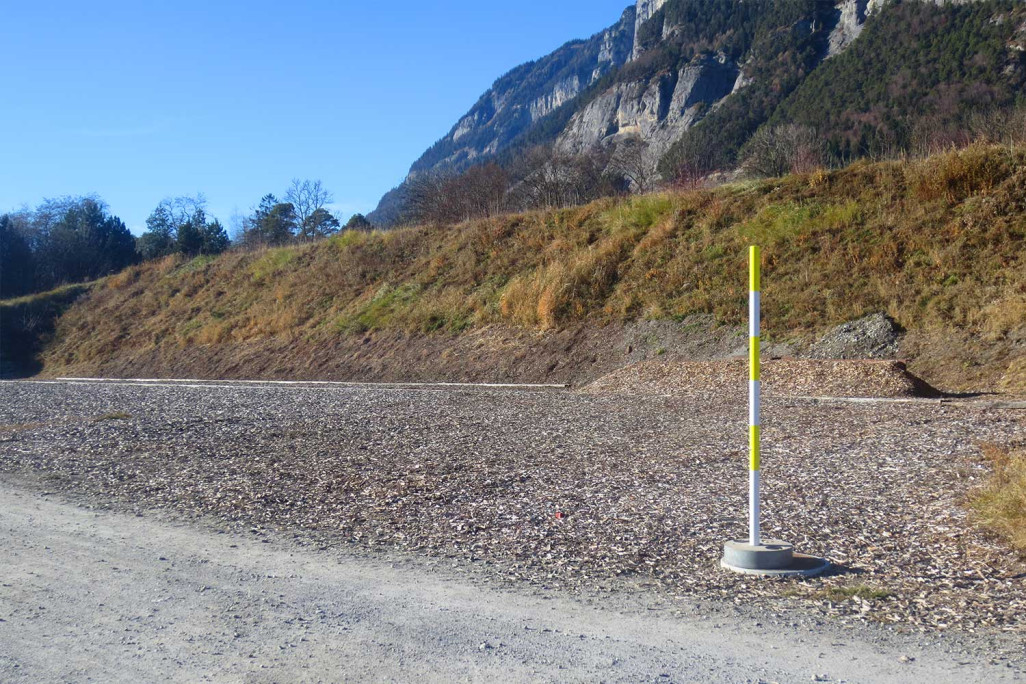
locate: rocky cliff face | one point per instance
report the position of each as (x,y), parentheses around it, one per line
(851,16)
(656,111)
(643,12)
(529,93)
(658,107)
(663,68)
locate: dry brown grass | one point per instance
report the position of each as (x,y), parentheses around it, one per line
(938,244)
(1001,504)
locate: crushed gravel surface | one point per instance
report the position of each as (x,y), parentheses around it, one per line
(555,487)
(719,380)
(103,596)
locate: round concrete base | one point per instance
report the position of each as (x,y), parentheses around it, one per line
(772,557)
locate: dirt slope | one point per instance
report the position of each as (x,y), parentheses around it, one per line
(780,377)
(938,245)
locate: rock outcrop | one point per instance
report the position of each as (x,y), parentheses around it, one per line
(657,111)
(642,13)
(658,105)
(529,93)
(653,82)
(851,16)
(875,336)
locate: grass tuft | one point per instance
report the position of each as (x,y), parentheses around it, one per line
(1000,505)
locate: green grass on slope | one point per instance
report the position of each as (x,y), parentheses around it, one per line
(936,243)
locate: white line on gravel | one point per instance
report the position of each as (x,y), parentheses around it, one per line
(980,403)
(314,382)
(227,386)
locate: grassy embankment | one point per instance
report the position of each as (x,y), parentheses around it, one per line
(938,244)
(27,324)
(1001,504)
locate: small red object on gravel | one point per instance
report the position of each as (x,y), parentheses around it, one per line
(560,515)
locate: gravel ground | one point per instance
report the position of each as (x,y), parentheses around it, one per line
(728,379)
(554,487)
(112,597)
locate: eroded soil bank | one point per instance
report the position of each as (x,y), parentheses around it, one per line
(574,356)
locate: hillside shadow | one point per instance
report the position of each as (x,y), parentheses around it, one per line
(27,324)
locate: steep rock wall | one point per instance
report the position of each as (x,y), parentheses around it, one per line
(527,94)
(657,111)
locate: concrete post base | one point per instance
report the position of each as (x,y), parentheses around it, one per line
(772,557)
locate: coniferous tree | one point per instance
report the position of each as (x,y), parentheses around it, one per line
(17,264)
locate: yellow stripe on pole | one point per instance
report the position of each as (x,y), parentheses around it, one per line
(753,443)
(753,269)
(754,364)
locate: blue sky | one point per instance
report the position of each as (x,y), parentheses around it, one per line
(138,101)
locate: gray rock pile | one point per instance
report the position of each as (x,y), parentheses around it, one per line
(875,336)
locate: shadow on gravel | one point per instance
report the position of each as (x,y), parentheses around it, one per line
(841,570)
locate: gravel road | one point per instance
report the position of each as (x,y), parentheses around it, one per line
(102,596)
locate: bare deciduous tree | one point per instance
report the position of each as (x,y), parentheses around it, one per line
(630,160)
(778,150)
(551,179)
(1001,126)
(306,198)
(690,161)
(480,191)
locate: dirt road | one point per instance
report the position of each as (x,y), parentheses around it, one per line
(101,596)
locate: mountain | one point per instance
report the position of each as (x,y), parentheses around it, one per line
(695,80)
(522,98)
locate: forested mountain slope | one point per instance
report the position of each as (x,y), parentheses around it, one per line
(676,90)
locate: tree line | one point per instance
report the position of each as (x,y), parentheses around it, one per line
(540,178)
(76,239)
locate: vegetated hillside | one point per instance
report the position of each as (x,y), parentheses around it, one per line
(922,75)
(685,89)
(27,323)
(938,244)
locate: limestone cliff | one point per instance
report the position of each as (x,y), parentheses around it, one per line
(581,100)
(528,93)
(655,111)
(664,68)
(642,13)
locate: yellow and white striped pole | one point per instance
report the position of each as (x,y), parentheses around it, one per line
(753,395)
(756,557)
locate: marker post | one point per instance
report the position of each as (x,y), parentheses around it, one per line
(754,440)
(757,556)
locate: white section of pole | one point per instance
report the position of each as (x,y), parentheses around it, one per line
(753,509)
(754,307)
(753,402)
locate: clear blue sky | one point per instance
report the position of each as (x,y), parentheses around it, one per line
(138,101)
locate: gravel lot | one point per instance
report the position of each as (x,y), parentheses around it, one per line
(111,597)
(554,487)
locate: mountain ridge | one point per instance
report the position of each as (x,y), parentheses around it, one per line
(694,80)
